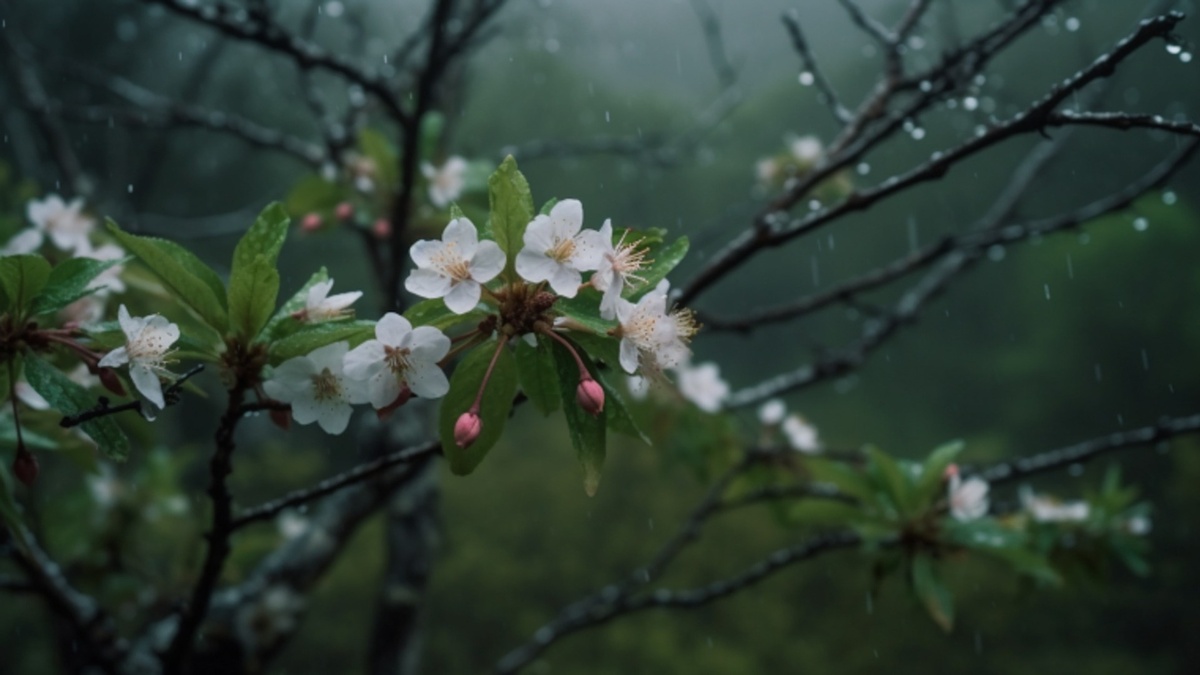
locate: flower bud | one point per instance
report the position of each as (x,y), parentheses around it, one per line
(25,467)
(590,396)
(344,211)
(950,472)
(382,229)
(281,418)
(467,429)
(108,378)
(311,223)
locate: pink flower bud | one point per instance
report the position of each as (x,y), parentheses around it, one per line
(382,229)
(108,378)
(950,472)
(25,467)
(467,429)
(590,396)
(344,211)
(311,223)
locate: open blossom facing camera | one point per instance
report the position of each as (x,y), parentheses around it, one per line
(399,357)
(968,499)
(148,342)
(320,306)
(446,182)
(454,267)
(618,268)
(702,385)
(557,251)
(317,388)
(651,338)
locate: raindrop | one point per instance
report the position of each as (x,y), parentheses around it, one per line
(1120,420)
(1070,268)
(710,643)
(1169,197)
(816,272)
(814,204)
(1145,360)
(1140,224)
(543,635)
(978,642)
(607,116)
(385,58)
(970,103)
(1099,373)
(126,30)
(829,240)
(1173,48)
(180,56)
(806,78)
(1072,24)
(1085,238)
(926,86)
(334,9)
(1046,287)
(918,133)
(650,524)
(1186,57)
(130,188)
(863,169)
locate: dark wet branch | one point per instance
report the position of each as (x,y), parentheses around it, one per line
(1122,121)
(358,474)
(8,585)
(710,24)
(808,63)
(171,396)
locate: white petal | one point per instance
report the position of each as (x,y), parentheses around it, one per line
(340,301)
(334,418)
(129,325)
(461,232)
(364,360)
(429,344)
(392,329)
(147,383)
(565,281)
(427,283)
(488,262)
(427,380)
(611,298)
(159,329)
(382,389)
(423,252)
(589,250)
(629,356)
(26,241)
(567,218)
(330,356)
(539,235)
(534,266)
(463,297)
(353,391)
(317,293)
(117,357)
(306,409)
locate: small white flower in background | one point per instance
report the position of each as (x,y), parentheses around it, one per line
(807,149)
(454,267)
(768,171)
(25,241)
(400,356)
(1138,526)
(639,387)
(109,281)
(148,342)
(772,412)
(317,388)
(557,251)
(64,223)
(702,385)
(652,339)
(261,623)
(320,306)
(618,267)
(87,310)
(291,524)
(968,499)
(446,182)
(363,172)
(1045,509)
(801,435)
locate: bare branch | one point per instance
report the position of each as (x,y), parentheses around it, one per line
(710,23)
(825,92)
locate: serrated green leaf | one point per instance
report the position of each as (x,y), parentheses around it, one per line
(196,284)
(511,206)
(253,289)
(536,370)
(587,432)
(494,408)
(929,486)
(892,479)
(316,336)
(68,282)
(22,277)
(664,259)
(265,237)
(71,399)
(932,593)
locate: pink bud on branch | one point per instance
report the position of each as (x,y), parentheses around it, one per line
(311,222)
(467,428)
(344,211)
(590,396)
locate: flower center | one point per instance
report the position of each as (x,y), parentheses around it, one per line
(148,348)
(562,250)
(451,263)
(626,260)
(396,359)
(685,323)
(326,386)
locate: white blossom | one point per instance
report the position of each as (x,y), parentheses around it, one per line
(772,412)
(768,170)
(400,356)
(64,223)
(801,435)
(446,182)
(317,388)
(147,344)
(807,149)
(108,281)
(1046,509)
(454,267)
(968,499)
(618,267)
(319,306)
(557,251)
(652,339)
(702,385)
(26,241)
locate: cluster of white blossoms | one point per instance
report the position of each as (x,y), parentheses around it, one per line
(446,182)
(968,499)
(323,385)
(803,153)
(801,436)
(1045,509)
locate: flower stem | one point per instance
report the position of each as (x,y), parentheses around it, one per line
(583,371)
(488,375)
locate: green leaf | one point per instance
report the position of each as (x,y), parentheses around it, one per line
(313,337)
(584,309)
(989,537)
(545,210)
(71,399)
(664,258)
(892,478)
(282,323)
(432,126)
(539,381)
(380,150)
(253,289)
(511,206)
(587,431)
(929,485)
(314,194)
(615,409)
(22,277)
(69,282)
(843,477)
(494,408)
(932,593)
(196,284)
(433,312)
(10,514)
(32,439)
